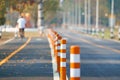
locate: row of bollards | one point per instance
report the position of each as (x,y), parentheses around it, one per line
(58,45)
(101,31)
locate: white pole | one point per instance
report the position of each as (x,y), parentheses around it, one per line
(79,12)
(76,14)
(112,9)
(40,14)
(63,14)
(85,5)
(89,15)
(97,16)
(64,23)
(112,20)
(72,12)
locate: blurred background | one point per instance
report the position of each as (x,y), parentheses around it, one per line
(54,9)
(89,15)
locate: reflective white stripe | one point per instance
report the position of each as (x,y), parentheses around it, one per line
(75,58)
(62,55)
(58,47)
(49,39)
(55,38)
(62,64)
(63,46)
(56,43)
(74,72)
(58,53)
(59,41)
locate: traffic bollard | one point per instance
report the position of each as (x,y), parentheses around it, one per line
(119,34)
(58,53)
(93,31)
(74,63)
(63,60)
(103,33)
(0,35)
(111,33)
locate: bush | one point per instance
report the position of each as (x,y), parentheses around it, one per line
(2,20)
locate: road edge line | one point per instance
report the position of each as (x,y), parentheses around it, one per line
(54,65)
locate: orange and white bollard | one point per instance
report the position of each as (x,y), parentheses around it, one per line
(74,63)
(63,60)
(58,52)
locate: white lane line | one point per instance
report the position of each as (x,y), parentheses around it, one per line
(100,61)
(32,61)
(54,65)
(56,74)
(38,39)
(6,41)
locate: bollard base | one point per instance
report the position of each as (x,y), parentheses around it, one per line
(119,39)
(112,36)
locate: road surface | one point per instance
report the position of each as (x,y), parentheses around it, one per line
(31,62)
(100,59)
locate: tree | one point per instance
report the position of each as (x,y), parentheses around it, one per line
(50,9)
(2,12)
(11,6)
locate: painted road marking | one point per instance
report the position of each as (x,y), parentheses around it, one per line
(101,61)
(13,53)
(54,65)
(6,41)
(97,45)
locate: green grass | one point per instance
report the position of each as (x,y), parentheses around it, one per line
(6,36)
(107,34)
(9,35)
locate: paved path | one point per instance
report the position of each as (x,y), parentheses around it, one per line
(33,62)
(100,59)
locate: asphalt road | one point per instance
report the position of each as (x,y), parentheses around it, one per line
(33,62)
(100,59)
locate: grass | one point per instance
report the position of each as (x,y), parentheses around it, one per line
(9,35)
(5,36)
(32,34)
(107,34)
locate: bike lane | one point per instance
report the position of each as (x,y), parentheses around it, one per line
(33,62)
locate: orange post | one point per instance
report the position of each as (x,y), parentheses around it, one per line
(74,63)
(63,60)
(58,52)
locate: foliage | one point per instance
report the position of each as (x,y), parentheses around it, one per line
(50,9)
(30,6)
(2,11)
